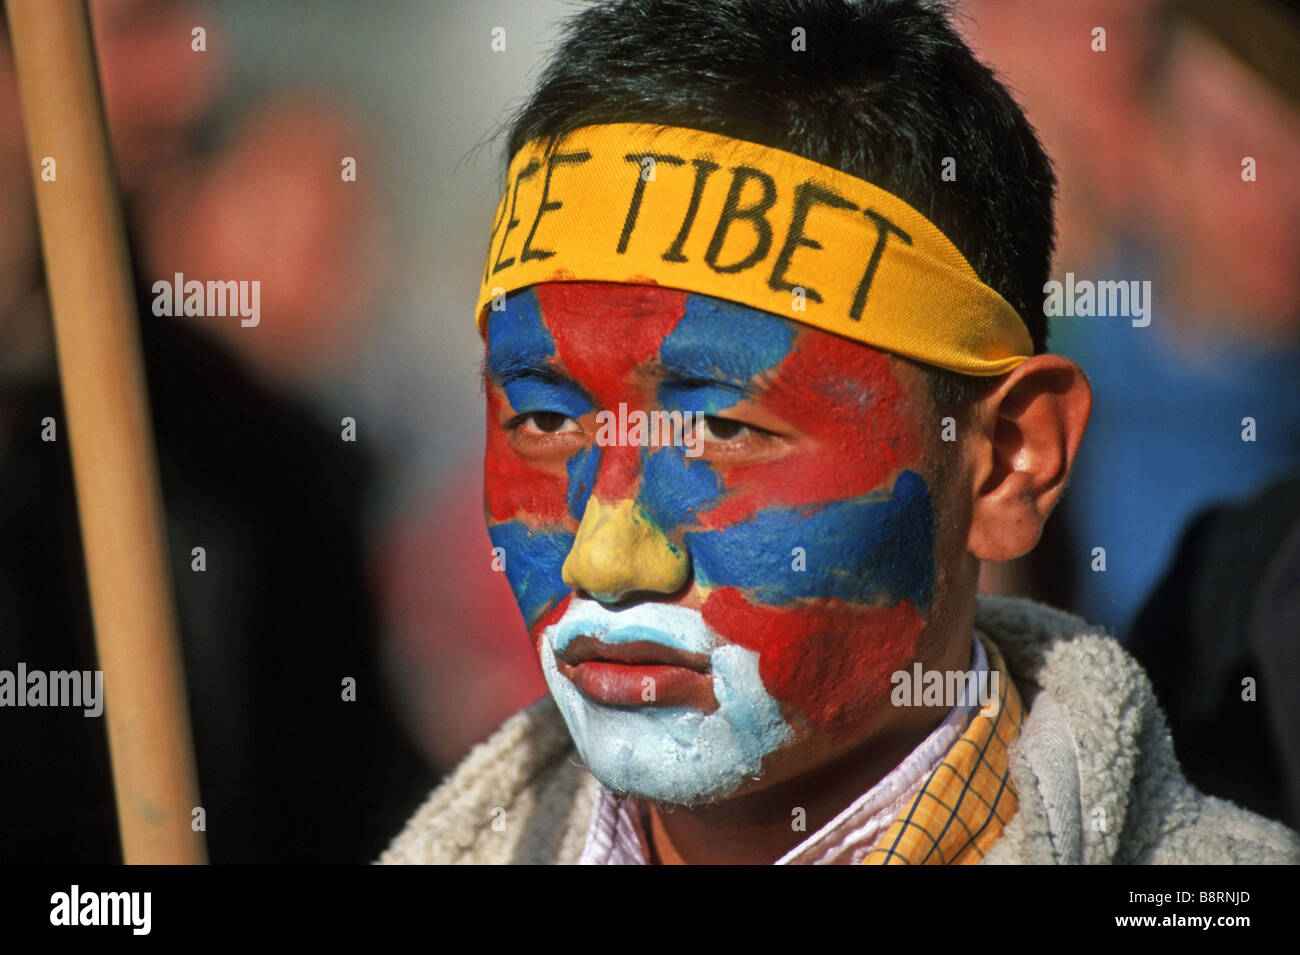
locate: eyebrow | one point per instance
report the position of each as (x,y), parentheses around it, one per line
(506,368)
(685,372)
(705,377)
(700,348)
(525,367)
(520,374)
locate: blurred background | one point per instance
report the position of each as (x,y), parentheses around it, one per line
(329,558)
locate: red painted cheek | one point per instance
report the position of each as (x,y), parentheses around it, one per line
(831,663)
(845,400)
(513,486)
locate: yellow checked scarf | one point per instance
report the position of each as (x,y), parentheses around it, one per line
(690,210)
(961,810)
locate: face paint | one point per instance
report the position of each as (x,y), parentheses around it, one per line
(526,505)
(803,549)
(673,754)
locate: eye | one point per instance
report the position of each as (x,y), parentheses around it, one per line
(724,429)
(545,422)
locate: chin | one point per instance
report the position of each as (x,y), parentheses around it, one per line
(676,755)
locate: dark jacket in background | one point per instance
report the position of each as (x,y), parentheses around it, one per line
(289,771)
(1228,609)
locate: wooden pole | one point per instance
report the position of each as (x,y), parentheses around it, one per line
(116,474)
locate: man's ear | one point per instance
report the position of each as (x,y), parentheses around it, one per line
(1030,427)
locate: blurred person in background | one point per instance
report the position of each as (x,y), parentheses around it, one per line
(1187,163)
(1044,51)
(1219,633)
(1201,403)
(279,619)
(1047,54)
(1153,188)
(1218,637)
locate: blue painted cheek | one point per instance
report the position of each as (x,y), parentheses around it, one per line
(533,560)
(862,551)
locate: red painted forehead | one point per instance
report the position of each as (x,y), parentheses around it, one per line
(603,330)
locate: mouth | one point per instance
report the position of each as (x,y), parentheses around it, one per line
(639,673)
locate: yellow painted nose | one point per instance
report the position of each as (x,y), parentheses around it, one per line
(619,550)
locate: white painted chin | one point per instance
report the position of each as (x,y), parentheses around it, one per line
(674,755)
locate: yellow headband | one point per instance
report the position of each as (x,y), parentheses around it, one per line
(685,209)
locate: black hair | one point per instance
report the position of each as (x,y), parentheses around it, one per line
(883,90)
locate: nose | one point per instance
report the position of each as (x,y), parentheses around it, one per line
(619,550)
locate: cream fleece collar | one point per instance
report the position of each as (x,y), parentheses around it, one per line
(1094,768)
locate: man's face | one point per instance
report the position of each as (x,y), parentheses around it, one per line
(702,618)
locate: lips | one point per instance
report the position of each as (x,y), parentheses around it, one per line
(638,673)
